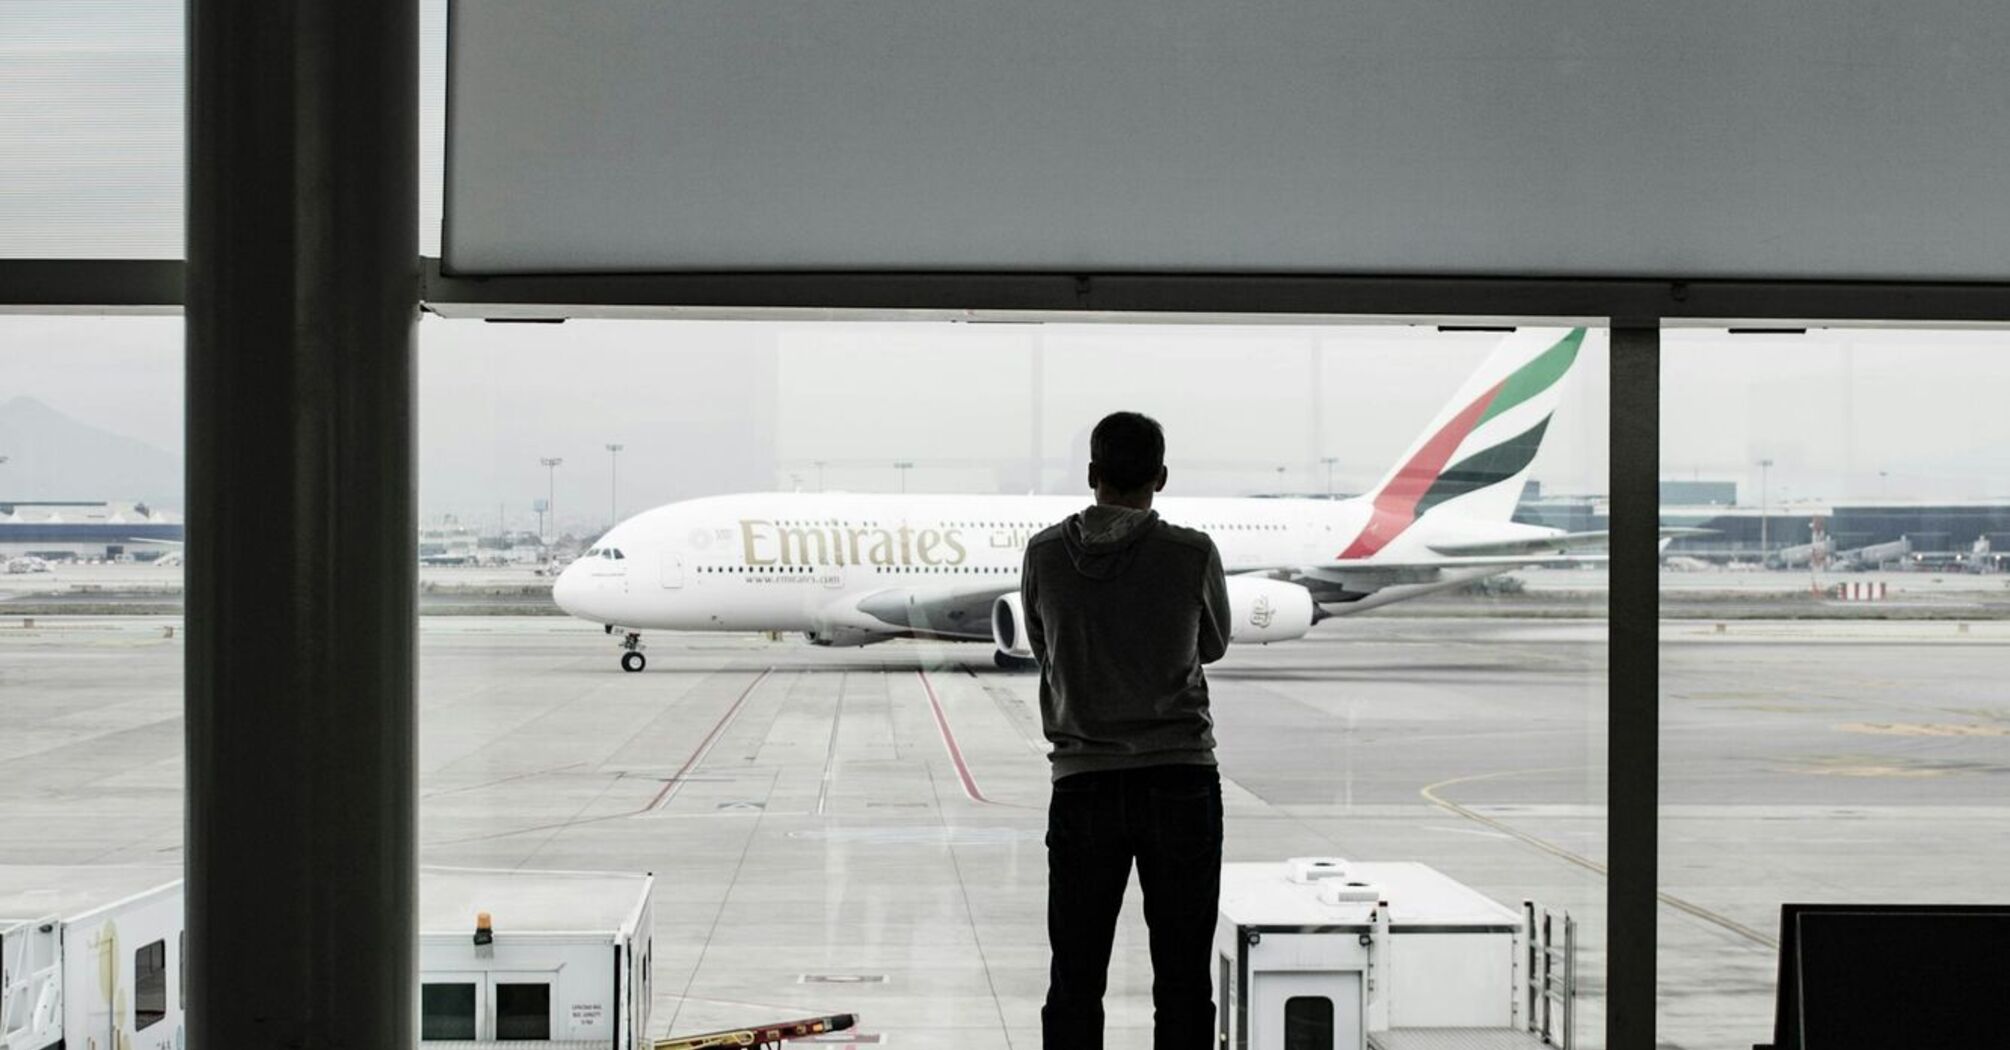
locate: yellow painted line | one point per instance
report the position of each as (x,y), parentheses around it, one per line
(1430,793)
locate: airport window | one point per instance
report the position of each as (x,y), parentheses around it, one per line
(150,984)
(1349,738)
(1833,722)
(447,1010)
(523,1011)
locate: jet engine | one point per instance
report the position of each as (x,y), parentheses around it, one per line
(1266,610)
(1260,610)
(1008,626)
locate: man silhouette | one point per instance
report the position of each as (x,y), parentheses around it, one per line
(1122,610)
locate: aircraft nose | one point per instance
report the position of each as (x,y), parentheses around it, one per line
(568,589)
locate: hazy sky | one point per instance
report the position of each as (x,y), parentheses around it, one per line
(720,406)
(90,165)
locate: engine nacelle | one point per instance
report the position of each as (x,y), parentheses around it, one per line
(1008,626)
(1260,610)
(1266,610)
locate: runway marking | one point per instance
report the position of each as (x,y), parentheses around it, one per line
(949,742)
(676,781)
(1922,729)
(503,780)
(663,795)
(1430,793)
(831,752)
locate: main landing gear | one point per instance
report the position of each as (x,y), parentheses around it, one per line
(632,659)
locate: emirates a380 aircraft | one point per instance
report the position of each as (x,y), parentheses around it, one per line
(855,569)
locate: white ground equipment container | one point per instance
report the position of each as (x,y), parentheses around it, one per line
(91,958)
(558,959)
(1322,953)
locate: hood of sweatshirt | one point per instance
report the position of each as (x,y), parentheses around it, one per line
(1103,540)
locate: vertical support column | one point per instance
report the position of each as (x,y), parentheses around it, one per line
(1633,698)
(302,287)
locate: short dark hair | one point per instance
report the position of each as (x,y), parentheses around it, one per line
(1128,449)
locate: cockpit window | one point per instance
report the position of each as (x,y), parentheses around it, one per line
(618,556)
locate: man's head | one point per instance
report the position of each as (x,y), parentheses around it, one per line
(1127,459)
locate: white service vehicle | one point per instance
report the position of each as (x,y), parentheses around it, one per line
(1323,953)
(91,959)
(557,959)
(560,959)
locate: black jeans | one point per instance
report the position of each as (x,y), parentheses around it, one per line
(1168,819)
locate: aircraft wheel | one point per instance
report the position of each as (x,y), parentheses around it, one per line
(633,662)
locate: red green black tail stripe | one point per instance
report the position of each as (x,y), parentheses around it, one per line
(1424,482)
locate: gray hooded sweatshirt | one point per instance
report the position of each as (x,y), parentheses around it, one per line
(1122,610)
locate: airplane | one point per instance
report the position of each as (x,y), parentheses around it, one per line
(849,569)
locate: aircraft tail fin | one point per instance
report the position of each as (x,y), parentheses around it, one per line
(1476,453)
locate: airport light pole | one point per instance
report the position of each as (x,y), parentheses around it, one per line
(551,466)
(1329,461)
(903,466)
(613,483)
(1764,534)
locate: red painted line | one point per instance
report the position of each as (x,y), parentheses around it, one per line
(705,746)
(949,741)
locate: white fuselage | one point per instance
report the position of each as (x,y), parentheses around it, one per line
(804,561)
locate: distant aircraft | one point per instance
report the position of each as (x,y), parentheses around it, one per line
(856,569)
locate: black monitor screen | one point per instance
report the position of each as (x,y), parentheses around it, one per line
(1892,975)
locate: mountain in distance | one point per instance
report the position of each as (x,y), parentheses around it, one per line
(52,456)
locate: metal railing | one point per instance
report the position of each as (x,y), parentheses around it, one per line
(1549,975)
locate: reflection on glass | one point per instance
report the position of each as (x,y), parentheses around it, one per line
(1832,720)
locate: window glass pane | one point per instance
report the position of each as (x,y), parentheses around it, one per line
(91,127)
(447,1010)
(1833,723)
(740,696)
(523,1011)
(150,981)
(91,581)
(1308,1023)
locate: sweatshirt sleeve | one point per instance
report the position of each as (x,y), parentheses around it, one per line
(1215,617)
(1036,632)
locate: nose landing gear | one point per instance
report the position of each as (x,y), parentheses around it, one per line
(632,659)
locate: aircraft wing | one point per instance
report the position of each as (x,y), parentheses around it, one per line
(948,612)
(1561,543)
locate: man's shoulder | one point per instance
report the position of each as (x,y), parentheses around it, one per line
(1183,536)
(1045,536)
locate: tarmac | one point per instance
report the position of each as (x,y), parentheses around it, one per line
(860,830)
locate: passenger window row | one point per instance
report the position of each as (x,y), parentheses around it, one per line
(882,569)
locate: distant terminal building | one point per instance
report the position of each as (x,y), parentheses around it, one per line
(66,530)
(1739,533)
(1699,493)
(1927,527)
